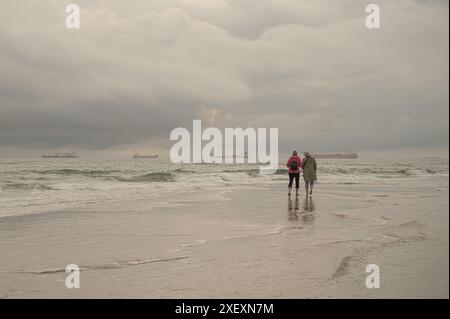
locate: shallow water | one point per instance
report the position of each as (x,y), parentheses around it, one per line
(41,185)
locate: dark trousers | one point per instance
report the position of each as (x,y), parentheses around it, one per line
(291,179)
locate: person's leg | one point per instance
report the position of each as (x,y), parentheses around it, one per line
(311,185)
(297,182)
(306,187)
(291,179)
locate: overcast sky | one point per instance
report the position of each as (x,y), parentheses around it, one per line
(137,69)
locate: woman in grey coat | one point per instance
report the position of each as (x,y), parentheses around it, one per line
(309,167)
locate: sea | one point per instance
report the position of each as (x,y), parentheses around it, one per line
(32,186)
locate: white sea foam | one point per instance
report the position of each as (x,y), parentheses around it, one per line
(34,186)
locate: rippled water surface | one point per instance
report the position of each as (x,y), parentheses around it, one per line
(40,185)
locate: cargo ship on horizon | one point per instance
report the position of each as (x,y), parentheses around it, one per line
(61,155)
(335,155)
(136,155)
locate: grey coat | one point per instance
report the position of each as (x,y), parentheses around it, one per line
(309,167)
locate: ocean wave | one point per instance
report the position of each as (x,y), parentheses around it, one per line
(150,177)
(183,170)
(326,169)
(8,185)
(248,171)
(254,171)
(379,171)
(68,171)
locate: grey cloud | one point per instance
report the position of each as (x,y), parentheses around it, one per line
(135,70)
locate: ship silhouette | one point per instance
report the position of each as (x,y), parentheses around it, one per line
(136,155)
(335,155)
(61,155)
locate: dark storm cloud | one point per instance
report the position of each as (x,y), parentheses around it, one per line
(97,125)
(136,70)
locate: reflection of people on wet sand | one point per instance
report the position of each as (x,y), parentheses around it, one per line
(293,209)
(308,209)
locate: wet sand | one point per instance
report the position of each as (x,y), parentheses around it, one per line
(238,243)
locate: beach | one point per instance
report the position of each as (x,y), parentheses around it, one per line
(146,151)
(242,237)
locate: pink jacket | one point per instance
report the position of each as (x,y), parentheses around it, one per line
(299,164)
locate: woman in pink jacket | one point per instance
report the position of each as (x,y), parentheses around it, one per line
(293,164)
